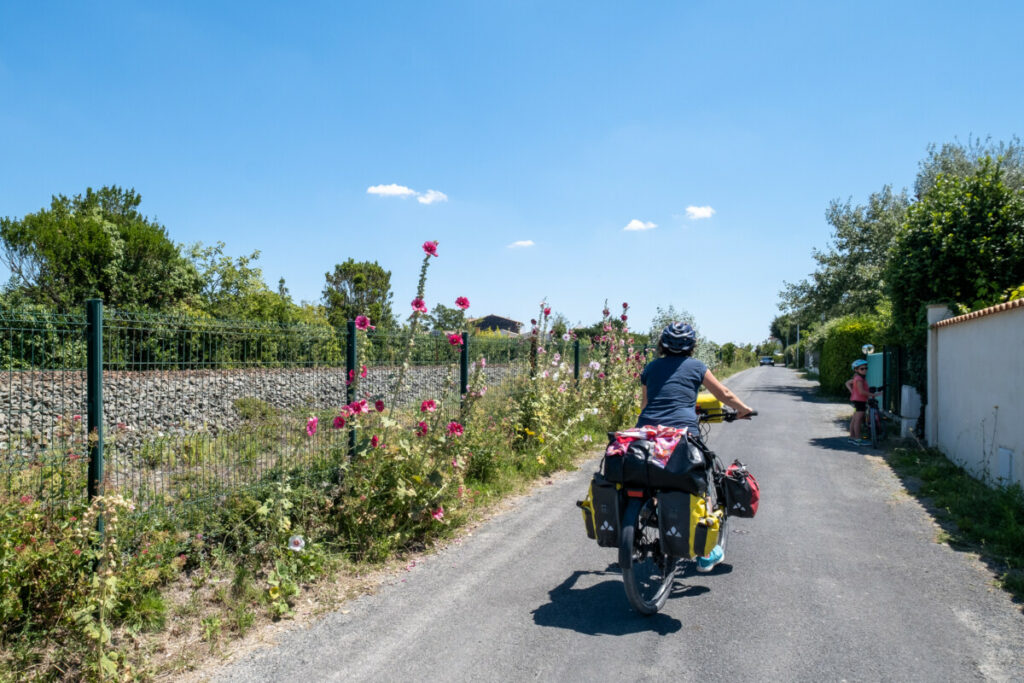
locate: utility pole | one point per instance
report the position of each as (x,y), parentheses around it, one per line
(798,345)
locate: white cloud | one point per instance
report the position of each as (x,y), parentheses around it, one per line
(391,190)
(431,196)
(639,225)
(520,244)
(697,212)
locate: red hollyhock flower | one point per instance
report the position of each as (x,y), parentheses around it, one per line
(379,405)
(430,247)
(624,317)
(454,429)
(339,422)
(362,372)
(422,429)
(625,305)
(419,305)
(547,311)
(455,339)
(374,441)
(605,312)
(428,406)
(462,302)
(363,323)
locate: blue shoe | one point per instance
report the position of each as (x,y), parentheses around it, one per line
(706,564)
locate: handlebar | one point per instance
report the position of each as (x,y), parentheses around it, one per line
(724,414)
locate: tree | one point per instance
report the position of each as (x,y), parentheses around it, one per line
(848,278)
(963,243)
(962,161)
(95,245)
(446,319)
(234,287)
(359,288)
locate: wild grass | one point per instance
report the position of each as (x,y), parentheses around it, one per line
(987,520)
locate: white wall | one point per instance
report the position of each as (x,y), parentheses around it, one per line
(976,391)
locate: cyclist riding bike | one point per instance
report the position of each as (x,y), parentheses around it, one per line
(670,386)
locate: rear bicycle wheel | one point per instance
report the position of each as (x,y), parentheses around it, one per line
(647,572)
(873,425)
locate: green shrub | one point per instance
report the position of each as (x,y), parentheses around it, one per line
(841,344)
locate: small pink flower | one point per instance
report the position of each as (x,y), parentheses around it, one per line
(76,418)
(428,406)
(362,371)
(455,339)
(561,388)
(76,551)
(547,311)
(625,305)
(351,377)
(311,425)
(605,312)
(339,422)
(600,375)
(624,317)
(438,514)
(462,491)
(422,429)
(483,362)
(363,323)
(455,463)
(357,407)
(419,305)
(374,441)
(25,500)
(454,429)
(462,302)
(295,543)
(379,405)
(430,247)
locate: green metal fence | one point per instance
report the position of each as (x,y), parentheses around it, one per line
(172,409)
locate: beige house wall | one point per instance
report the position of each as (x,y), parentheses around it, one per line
(976,391)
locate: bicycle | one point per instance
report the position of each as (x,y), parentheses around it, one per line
(875,419)
(647,570)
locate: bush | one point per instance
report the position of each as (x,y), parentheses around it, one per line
(842,340)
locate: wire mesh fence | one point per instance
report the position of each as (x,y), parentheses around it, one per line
(195,408)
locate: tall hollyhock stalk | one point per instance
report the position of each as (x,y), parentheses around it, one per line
(418,310)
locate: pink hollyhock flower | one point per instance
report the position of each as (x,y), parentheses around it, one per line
(76,551)
(25,500)
(454,429)
(374,441)
(296,543)
(363,323)
(362,371)
(625,305)
(547,311)
(356,407)
(351,377)
(561,388)
(418,305)
(483,362)
(600,375)
(462,302)
(311,425)
(624,317)
(455,463)
(379,405)
(430,247)
(438,514)
(428,406)
(455,339)
(339,422)
(605,312)
(422,429)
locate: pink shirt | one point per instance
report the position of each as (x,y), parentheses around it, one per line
(859,390)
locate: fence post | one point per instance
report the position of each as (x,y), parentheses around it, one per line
(576,359)
(464,367)
(350,375)
(94,397)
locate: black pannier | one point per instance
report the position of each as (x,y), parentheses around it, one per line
(607,503)
(686,469)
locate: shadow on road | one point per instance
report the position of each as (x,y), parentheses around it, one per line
(841,443)
(809,394)
(599,609)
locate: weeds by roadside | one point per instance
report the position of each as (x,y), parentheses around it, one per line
(988,520)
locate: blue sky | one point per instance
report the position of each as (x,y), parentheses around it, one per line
(558,124)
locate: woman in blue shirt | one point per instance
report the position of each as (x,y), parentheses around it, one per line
(670,386)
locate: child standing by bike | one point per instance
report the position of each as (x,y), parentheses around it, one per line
(859,395)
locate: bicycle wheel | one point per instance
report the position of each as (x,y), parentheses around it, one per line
(873,420)
(647,573)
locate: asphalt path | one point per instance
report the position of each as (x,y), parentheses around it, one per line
(838,578)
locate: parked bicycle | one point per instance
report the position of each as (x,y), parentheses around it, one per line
(875,419)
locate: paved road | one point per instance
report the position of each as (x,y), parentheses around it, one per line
(838,578)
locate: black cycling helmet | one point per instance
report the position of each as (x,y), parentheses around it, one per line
(678,338)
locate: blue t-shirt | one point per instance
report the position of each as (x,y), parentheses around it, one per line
(672,385)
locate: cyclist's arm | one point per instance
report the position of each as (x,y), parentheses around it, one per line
(722,393)
(643,397)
